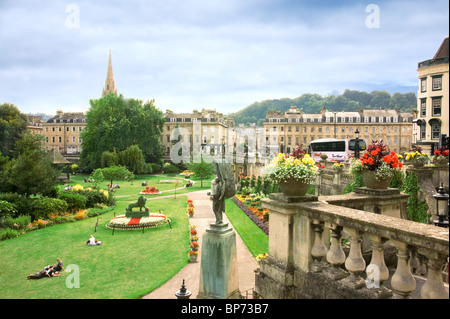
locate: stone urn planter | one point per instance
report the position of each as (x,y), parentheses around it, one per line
(293,187)
(441,162)
(371,181)
(193,258)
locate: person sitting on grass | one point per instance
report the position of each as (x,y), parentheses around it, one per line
(46,272)
(59,265)
(91,241)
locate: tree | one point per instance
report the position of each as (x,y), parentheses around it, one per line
(117,123)
(112,173)
(202,170)
(133,159)
(109,159)
(12,125)
(30,171)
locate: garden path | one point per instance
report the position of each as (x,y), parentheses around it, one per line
(203,216)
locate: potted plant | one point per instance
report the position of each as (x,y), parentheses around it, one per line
(293,174)
(440,156)
(416,157)
(377,166)
(338,167)
(193,255)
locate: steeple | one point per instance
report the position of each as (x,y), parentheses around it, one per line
(109,83)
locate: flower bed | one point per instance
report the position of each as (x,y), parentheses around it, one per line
(150,190)
(251,214)
(125,223)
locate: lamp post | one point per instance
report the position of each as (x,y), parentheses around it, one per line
(441,207)
(357,143)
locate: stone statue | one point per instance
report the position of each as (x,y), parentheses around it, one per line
(224,188)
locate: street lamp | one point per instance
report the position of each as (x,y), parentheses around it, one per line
(441,207)
(357,143)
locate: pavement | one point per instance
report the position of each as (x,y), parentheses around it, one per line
(203,216)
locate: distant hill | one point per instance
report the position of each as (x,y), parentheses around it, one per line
(350,100)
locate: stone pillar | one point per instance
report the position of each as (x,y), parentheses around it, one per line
(290,242)
(219,271)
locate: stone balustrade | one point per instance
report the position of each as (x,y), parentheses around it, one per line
(307,259)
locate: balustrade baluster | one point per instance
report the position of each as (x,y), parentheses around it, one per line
(403,281)
(336,256)
(319,250)
(434,287)
(355,263)
(377,263)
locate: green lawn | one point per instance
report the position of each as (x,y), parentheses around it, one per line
(129,264)
(253,237)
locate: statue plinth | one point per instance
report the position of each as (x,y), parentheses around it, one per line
(219,272)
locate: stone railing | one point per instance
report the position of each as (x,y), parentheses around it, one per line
(307,259)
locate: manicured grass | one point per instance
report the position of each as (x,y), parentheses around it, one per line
(254,238)
(129,264)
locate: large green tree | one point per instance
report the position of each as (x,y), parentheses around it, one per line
(12,124)
(30,171)
(114,122)
(202,170)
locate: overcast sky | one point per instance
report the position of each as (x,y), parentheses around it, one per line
(221,55)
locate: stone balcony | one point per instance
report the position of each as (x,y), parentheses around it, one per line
(307,258)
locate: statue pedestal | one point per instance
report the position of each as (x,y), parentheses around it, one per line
(219,272)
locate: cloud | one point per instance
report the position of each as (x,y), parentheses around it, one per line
(213,54)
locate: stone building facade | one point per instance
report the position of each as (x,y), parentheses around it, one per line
(432,114)
(62,132)
(293,127)
(206,127)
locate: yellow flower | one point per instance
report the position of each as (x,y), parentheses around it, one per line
(78,187)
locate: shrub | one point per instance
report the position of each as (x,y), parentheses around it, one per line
(6,233)
(81,214)
(171,169)
(22,203)
(93,197)
(156,168)
(7,209)
(44,205)
(17,223)
(74,201)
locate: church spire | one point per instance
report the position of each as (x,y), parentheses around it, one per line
(109,83)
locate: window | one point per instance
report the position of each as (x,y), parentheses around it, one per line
(53,139)
(289,128)
(435,130)
(73,129)
(297,128)
(312,129)
(73,139)
(328,129)
(423,107)
(423,84)
(436,82)
(366,129)
(59,139)
(274,129)
(366,119)
(436,105)
(423,130)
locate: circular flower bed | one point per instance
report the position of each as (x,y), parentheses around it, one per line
(126,223)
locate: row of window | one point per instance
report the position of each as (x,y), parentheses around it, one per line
(387,140)
(435,131)
(436,106)
(67,129)
(60,139)
(339,119)
(436,83)
(342,129)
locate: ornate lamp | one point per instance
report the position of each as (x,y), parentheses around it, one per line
(441,207)
(183,293)
(357,143)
